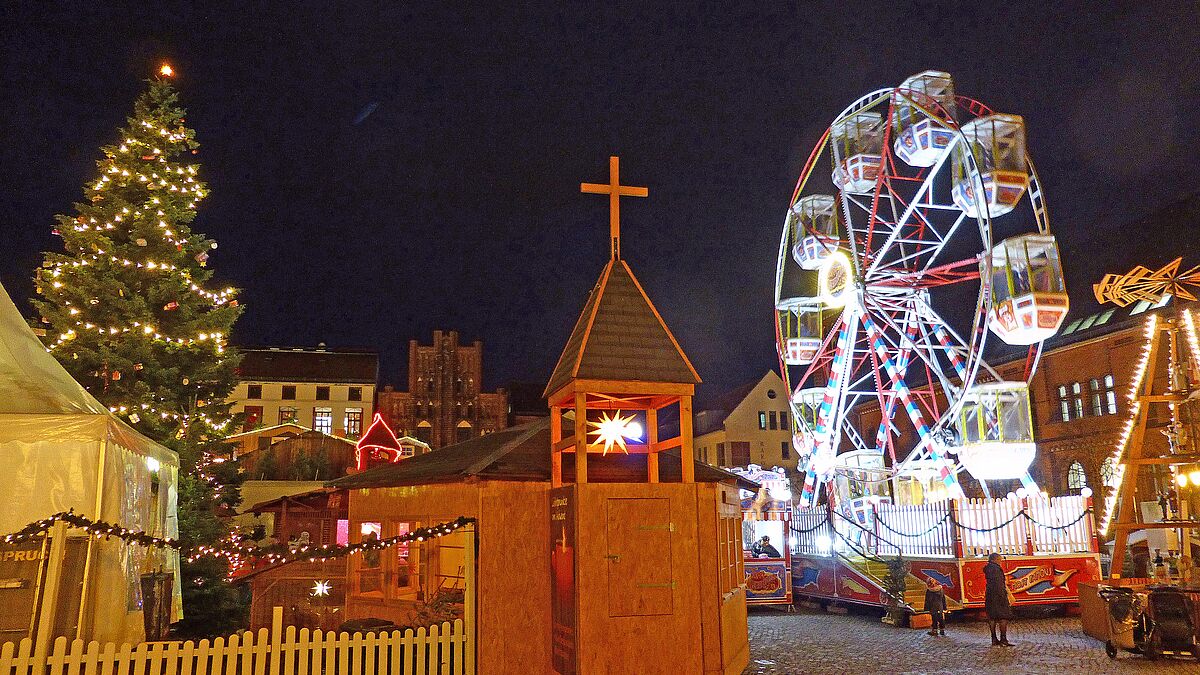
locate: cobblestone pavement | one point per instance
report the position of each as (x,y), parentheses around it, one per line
(811,641)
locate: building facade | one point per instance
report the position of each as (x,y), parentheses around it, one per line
(749,425)
(444,403)
(327,390)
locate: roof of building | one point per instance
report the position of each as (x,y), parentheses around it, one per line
(281,364)
(713,414)
(520,453)
(621,336)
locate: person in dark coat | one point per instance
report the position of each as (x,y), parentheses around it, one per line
(995,599)
(935,604)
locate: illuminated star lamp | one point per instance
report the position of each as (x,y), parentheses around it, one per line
(166,70)
(615,430)
(321,588)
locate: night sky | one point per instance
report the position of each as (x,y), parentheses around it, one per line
(379,173)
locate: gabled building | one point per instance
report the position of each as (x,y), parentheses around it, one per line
(327,390)
(748,425)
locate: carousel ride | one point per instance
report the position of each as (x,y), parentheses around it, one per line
(915,204)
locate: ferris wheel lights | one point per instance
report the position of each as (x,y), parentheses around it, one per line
(835,280)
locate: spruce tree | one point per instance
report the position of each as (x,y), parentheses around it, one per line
(127,310)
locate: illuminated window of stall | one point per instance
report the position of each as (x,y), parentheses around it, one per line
(405,559)
(368,573)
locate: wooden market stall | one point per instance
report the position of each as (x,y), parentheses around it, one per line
(644,558)
(503,480)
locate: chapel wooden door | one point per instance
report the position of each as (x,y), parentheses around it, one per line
(641,580)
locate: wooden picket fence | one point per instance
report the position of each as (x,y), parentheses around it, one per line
(438,650)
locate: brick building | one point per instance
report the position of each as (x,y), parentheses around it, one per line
(328,390)
(444,404)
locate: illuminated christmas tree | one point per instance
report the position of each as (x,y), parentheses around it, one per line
(127,310)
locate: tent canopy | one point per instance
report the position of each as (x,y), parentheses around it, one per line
(39,400)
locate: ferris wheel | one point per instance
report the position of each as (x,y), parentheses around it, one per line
(927,198)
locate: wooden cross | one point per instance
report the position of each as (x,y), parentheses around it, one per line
(615,191)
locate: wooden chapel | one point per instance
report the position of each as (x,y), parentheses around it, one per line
(647,573)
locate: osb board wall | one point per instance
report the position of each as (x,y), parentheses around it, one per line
(514,592)
(513,626)
(637,644)
(723,616)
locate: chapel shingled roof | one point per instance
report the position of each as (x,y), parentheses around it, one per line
(621,336)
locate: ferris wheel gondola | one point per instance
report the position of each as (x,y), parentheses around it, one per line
(928,191)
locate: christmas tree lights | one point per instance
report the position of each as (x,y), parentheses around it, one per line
(127,309)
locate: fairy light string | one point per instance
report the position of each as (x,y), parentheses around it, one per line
(1119,450)
(233,549)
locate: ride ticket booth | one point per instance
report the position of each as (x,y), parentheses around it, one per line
(766,527)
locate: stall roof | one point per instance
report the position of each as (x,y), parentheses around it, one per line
(520,453)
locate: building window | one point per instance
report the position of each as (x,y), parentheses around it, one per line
(1097,397)
(785,450)
(287,414)
(353,425)
(783,419)
(254,415)
(254,391)
(740,453)
(322,393)
(424,432)
(1064,403)
(289,392)
(462,432)
(1110,395)
(1077,399)
(1108,473)
(355,394)
(323,420)
(1076,477)
(773,421)
(721,454)
(762,419)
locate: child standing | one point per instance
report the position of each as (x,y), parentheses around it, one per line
(935,604)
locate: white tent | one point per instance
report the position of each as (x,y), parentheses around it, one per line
(61,449)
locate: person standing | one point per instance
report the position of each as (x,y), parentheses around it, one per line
(935,604)
(996,599)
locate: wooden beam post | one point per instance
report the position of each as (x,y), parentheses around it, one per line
(1129,479)
(651,441)
(686,451)
(556,478)
(580,437)
(48,606)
